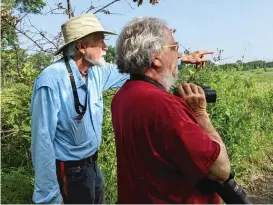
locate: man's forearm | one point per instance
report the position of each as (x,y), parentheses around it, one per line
(205,123)
(221,168)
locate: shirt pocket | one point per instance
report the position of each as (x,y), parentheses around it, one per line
(78,130)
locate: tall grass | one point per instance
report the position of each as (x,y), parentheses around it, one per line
(243,115)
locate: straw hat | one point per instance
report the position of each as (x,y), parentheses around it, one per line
(79,27)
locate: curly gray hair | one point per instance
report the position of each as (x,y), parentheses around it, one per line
(138,41)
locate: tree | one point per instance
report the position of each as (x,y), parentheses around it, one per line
(110,55)
(10,21)
(15,20)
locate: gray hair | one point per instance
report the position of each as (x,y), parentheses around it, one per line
(138,41)
(71,49)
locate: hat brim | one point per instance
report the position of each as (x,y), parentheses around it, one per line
(62,47)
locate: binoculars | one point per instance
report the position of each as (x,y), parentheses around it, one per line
(209,93)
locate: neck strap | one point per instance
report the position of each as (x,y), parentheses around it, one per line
(146,79)
(80,109)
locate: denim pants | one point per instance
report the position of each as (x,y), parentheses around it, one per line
(85,185)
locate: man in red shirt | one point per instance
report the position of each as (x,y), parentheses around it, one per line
(165,144)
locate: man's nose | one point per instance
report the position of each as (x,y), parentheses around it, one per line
(179,55)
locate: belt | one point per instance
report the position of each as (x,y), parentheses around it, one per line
(86,161)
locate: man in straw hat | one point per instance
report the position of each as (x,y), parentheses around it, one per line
(67,115)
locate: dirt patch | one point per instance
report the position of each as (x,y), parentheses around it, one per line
(260,188)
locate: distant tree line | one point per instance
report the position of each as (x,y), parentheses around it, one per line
(243,66)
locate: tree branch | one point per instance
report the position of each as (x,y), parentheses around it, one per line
(69,10)
(17,58)
(244,53)
(8,131)
(226,58)
(90,8)
(129,5)
(24,33)
(43,35)
(22,17)
(108,12)
(51,11)
(106,6)
(11,133)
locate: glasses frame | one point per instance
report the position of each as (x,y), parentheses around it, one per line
(173,45)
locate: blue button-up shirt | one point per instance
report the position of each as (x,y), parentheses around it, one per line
(56,134)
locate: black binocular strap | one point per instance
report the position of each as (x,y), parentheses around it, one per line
(146,79)
(80,109)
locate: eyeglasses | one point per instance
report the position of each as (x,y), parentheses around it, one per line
(174,46)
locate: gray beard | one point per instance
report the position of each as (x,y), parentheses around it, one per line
(168,80)
(99,62)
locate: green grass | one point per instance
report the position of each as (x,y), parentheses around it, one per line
(265,74)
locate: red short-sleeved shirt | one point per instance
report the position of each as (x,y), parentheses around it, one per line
(161,150)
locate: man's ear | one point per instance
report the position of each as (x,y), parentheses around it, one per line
(80,47)
(156,62)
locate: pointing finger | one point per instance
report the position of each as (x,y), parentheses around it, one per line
(202,53)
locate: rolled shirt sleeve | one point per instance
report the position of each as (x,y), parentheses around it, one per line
(44,110)
(190,148)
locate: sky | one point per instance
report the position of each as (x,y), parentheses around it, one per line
(231,25)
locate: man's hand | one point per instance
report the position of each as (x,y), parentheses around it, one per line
(195,97)
(196,58)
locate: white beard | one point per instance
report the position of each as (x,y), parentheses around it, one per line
(169,79)
(99,62)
